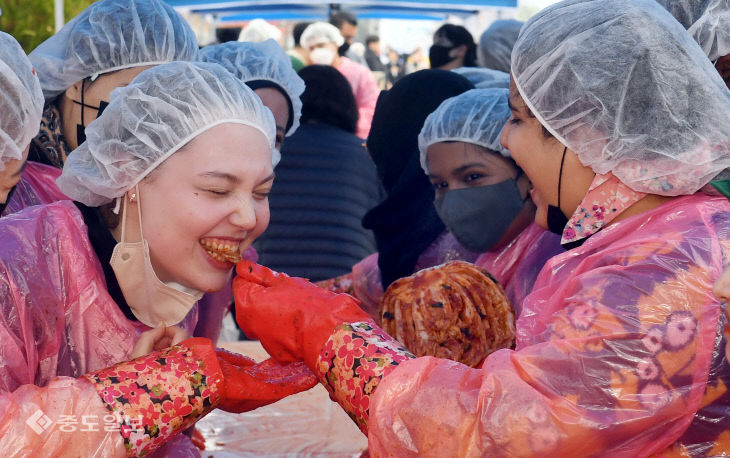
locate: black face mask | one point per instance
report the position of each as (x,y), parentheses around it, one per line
(342,50)
(81,128)
(556,219)
(439,55)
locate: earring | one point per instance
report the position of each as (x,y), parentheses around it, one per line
(133,197)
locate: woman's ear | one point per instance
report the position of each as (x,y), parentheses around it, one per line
(74,92)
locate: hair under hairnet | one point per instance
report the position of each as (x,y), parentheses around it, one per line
(259,30)
(162,110)
(708,21)
(112,35)
(321,32)
(624,86)
(484,78)
(495,44)
(21,100)
(265,61)
(476,116)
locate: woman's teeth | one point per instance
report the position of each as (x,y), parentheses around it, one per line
(221,250)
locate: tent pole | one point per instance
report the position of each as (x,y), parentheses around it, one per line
(58,13)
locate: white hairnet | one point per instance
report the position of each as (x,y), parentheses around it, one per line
(477,116)
(21,100)
(708,21)
(624,86)
(112,35)
(484,78)
(163,109)
(259,30)
(495,44)
(321,32)
(264,61)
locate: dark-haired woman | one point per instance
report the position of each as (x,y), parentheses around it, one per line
(453,47)
(325,184)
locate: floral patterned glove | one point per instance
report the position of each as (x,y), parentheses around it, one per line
(342,345)
(159,395)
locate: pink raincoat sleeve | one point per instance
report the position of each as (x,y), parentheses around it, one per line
(37,186)
(35,297)
(613,354)
(366,285)
(130,409)
(47,421)
(516,265)
(57,325)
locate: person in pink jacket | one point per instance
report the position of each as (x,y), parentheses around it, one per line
(322,40)
(93,292)
(620,121)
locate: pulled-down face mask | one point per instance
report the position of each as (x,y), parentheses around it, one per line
(151,301)
(556,219)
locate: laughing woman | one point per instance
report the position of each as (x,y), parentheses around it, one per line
(166,199)
(618,119)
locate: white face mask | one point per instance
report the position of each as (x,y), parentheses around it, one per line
(150,300)
(322,56)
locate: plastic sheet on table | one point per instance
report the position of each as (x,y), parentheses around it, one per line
(306,424)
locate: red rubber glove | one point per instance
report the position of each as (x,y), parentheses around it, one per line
(290,316)
(249,385)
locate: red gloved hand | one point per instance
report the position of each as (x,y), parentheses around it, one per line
(290,316)
(249,385)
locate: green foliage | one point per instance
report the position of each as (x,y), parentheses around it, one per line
(32,21)
(526,12)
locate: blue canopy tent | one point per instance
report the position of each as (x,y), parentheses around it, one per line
(244,10)
(314,12)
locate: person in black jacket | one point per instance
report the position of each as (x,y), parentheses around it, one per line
(372,54)
(325,183)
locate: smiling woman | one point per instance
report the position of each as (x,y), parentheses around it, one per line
(205,204)
(191,200)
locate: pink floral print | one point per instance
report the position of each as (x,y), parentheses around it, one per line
(353,361)
(607,198)
(168,391)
